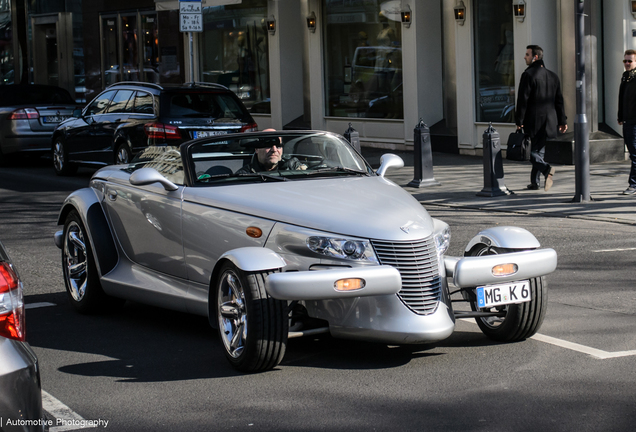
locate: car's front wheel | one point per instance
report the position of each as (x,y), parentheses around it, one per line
(80,272)
(513,322)
(253,326)
(60,159)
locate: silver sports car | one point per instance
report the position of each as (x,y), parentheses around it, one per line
(273,235)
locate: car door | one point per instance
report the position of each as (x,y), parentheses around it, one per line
(103,129)
(147,219)
(79,143)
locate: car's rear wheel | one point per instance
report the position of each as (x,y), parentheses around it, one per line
(80,272)
(60,159)
(252,325)
(123,155)
(517,321)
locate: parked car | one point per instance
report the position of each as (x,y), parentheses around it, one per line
(128,116)
(201,228)
(28,115)
(20,389)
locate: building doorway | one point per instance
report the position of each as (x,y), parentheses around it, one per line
(53,50)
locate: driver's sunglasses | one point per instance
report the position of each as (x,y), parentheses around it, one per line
(274,145)
(627,61)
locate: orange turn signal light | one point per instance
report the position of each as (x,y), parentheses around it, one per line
(349,284)
(505,269)
(254,232)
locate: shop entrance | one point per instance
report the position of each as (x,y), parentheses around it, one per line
(53,50)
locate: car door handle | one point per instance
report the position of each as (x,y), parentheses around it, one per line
(112,195)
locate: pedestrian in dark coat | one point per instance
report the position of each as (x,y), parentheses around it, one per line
(627,113)
(540,112)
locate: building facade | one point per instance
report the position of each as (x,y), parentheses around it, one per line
(381,65)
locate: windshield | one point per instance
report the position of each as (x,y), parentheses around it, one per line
(262,157)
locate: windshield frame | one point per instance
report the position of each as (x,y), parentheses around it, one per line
(190,150)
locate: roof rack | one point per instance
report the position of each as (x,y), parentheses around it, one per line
(206,84)
(137,83)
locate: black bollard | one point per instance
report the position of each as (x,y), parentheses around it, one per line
(422,158)
(493,165)
(353,137)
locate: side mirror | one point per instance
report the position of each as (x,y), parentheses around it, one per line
(387,161)
(147,176)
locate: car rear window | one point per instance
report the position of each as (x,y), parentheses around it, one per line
(205,104)
(33,95)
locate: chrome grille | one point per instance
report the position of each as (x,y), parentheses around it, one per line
(417,263)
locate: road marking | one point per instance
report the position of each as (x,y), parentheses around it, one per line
(64,416)
(38,305)
(614,250)
(600,354)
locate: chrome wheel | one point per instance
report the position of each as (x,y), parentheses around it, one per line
(123,155)
(75,261)
(232,313)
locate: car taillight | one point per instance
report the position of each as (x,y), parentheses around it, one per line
(24,114)
(11,304)
(252,127)
(161,131)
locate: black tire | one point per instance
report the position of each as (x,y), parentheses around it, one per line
(522,320)
(60,159)
(252,326)
(81,279)
(123,155)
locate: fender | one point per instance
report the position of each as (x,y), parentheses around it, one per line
(88,206)
(505,237)
(251,259)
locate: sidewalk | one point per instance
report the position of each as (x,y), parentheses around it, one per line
(462,177)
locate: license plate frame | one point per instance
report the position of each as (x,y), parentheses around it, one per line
(54,118)
(206,134)
(502,294)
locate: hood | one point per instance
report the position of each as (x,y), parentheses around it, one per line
(367,207)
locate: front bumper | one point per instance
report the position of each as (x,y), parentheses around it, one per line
(320,285)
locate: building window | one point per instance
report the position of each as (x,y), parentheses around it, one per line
(7,72)
(494,61)
(234,51)
(363,59)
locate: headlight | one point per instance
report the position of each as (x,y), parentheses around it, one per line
(442,236)
(333,247)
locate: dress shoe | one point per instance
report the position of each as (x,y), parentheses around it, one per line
(533,186)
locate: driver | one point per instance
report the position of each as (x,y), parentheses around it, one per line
(269,157)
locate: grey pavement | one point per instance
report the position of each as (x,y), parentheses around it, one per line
(462,177)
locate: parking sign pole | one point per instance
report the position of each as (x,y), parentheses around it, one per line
(190,21)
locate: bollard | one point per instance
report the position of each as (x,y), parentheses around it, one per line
(353,137)
(423,157)
(493,165)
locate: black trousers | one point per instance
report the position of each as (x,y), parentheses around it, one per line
(537,153)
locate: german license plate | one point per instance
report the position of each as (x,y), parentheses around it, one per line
(503,294)
(54,119)
(203,134)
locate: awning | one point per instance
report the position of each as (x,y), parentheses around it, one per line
(164,5)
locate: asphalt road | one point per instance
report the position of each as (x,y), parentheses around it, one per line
(148,369)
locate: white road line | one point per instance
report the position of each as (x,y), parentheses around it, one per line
(615,250)
(64,416)
(38,305)
(600,354)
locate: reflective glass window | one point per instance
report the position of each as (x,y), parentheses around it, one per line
(143,103)
(110,61)
(494,61)
(119,102)
(363,59)
(234,51)
(130,37)
(150,44)
(7,72)
(100,103)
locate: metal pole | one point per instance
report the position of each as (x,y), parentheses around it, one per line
(191,58)
(581,127)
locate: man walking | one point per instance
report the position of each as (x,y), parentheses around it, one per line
(539,112)
(627,113)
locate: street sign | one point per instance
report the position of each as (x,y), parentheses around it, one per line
(190,6)
(191,22)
